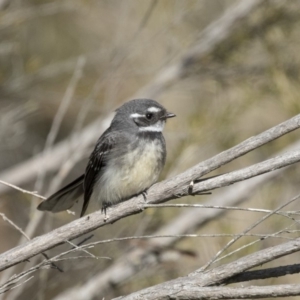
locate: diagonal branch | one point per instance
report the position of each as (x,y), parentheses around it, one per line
(192,291)
(163,191)
(265,273)
(125,267)
(178,185)
(216,275)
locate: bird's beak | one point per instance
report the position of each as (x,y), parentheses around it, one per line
(169,115)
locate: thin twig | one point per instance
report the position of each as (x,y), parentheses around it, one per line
(275,234)
(15,286)
(81,248)
(35,194)
(43,264)
(204,235)
(249,209)
(247,230)
(25,235)
(6,219)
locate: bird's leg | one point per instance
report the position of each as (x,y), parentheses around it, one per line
(103,210)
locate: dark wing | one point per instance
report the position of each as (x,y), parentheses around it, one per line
(65,197)
(111,144)
(95,166)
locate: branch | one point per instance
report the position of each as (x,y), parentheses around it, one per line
(193,291)
(243,174)
(265,273)
(177,186)
(149,254)
(218,275)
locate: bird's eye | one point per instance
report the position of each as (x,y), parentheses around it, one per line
(149,116)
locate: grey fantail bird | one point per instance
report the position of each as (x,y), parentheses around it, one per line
(126,161)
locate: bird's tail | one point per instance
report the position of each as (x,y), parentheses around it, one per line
(65,197)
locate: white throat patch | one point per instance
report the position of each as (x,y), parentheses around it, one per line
(157,127)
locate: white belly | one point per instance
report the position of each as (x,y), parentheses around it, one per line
(122,180)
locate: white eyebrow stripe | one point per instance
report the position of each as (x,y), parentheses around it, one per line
(154,109)
(136,115)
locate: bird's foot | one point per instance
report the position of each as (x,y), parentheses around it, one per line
(103,210)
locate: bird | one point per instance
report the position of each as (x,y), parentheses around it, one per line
(127,159)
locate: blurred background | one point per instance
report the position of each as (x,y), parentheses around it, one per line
(66,65)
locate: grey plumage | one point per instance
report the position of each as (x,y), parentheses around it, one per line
(127,159)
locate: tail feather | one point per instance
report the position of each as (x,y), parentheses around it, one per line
(65,197)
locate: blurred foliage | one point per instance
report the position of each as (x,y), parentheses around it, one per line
(246,86)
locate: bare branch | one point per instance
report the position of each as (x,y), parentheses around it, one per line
(265,273)
(217,275)
(191,218)
(192,291)
(177,77)
(58,257)
(161,192)
(243,174)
